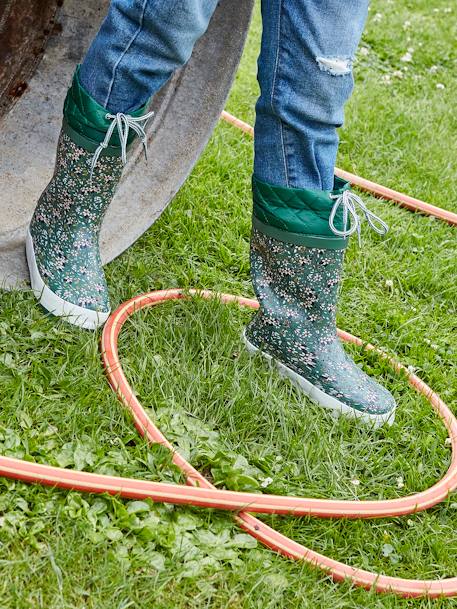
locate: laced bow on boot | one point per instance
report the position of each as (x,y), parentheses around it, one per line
(123,122)
(350,203)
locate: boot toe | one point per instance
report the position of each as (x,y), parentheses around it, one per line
(371,398)
(353,387)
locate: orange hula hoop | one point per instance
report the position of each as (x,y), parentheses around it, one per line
(200,492)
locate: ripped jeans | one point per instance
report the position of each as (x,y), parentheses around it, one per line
(304,73)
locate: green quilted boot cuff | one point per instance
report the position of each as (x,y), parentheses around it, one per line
(299,216)
(85,120)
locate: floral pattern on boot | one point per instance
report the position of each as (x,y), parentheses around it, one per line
(66,225)
(297,288)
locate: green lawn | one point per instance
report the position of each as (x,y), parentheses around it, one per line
(232,416)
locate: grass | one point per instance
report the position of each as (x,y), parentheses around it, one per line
(228,413)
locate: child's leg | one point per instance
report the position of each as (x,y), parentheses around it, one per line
(305,76)
(300,221)
(139,45)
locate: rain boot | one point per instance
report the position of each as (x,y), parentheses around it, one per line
(297,248)
(62,243)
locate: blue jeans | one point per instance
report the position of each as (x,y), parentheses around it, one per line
(304,73)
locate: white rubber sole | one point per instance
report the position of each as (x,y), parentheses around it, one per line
(328,402)
(78,316)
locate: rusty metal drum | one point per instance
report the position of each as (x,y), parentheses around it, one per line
(40,43)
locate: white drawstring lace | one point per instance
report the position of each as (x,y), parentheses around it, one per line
(350,201)
(123,122)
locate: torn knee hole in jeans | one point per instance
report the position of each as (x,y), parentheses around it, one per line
(336,66)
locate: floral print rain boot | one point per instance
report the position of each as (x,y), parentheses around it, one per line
(297,250)
(62,243)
